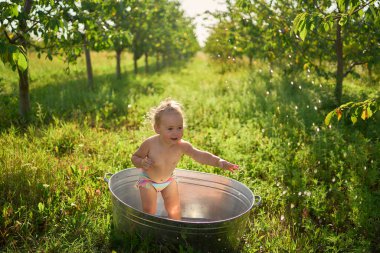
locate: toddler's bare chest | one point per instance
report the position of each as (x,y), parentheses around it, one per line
(165,159)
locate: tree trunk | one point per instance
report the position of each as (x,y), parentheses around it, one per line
(146,63)
(24,98)
(157,61)
(250,60)
(118,59)
(24,102)
(90,79)
(339,67)
(164,60)
(135,65)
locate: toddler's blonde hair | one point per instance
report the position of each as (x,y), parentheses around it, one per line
(167,105)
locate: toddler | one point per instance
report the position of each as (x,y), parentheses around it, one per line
(159,155)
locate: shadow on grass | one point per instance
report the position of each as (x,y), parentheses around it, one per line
(167,242)
(133,243)
(70,99)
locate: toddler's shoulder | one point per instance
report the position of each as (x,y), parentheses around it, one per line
(185,146)
(150,140)
(184,143)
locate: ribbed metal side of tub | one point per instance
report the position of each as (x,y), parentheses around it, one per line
(215,211)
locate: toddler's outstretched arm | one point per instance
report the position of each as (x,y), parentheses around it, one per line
(227,165)
(207,158)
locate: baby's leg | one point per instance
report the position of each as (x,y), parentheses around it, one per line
(171,200)
(149,199)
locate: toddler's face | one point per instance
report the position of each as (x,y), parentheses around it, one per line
(170,127)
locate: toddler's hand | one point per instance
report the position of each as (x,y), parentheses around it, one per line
(146,163)
(228,166)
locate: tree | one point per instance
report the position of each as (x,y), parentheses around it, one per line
(117,24)
(89,31)
(356,27)
(180,40)
(262,29)
(159,27)
(228,40)
(138,26)
(30,24)
(344,32)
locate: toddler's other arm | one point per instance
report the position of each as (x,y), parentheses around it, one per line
(140,158)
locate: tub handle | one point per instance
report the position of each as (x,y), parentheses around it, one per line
(106,179)
(258,202)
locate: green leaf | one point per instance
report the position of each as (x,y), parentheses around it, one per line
(331,23)
(312,26)
(328,117)
(14,10)
(41,207)
(341,4)
(343,20)
(346,104)
(369,112)
(22,62)
(19,60)
(303,33)
(353,7)
(373,10)
(298,21)
(326,26)
(354,119)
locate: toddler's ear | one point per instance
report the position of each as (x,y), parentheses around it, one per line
(156,129)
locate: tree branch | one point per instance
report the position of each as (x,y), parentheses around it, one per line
(338,16)
(351,67)
(319,8)
(11,41)
(363,6)
(18,36)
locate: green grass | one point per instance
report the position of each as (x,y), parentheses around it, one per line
(320,185)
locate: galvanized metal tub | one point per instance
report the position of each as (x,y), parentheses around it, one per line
(214,210)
